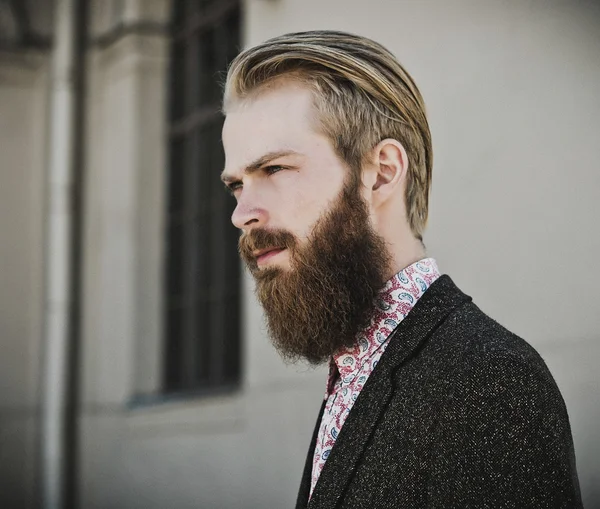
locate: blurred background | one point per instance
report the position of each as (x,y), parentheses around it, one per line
(134,367)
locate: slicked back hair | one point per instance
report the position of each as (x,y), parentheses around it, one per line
(362,96)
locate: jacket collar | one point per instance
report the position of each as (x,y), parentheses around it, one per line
(438,301)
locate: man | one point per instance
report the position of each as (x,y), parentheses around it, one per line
(429,402)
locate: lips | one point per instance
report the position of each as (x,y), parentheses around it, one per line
(264,254)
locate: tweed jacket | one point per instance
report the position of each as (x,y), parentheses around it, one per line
(459,413)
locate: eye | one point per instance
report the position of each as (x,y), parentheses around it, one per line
(232,187)
(273,169)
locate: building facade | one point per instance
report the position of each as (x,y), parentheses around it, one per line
(181,401)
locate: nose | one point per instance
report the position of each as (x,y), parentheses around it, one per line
(247,216)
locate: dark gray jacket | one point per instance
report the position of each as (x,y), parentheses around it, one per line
(458,413)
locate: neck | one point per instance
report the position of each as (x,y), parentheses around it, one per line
(405,252)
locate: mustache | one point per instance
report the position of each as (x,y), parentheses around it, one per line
(262,238)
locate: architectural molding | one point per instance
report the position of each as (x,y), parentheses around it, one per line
(121,30)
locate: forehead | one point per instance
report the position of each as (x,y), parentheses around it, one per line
(280,117)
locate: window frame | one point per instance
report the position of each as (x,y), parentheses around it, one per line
(202,273)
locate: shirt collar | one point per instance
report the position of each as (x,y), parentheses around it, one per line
(394,301)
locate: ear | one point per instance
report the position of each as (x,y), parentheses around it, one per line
(390,166)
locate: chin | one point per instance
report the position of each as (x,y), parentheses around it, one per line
(280,263)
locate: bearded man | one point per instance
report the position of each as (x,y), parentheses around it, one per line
(429,402)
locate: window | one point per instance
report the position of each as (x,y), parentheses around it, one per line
(202,268)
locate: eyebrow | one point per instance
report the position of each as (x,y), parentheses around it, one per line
(258,164)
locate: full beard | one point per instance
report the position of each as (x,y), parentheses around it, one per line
(318,306)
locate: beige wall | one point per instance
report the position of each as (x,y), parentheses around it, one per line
(23,83)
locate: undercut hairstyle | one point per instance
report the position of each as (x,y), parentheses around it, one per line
(362,96)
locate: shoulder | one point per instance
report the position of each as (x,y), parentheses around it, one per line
(501,434)
(489,364)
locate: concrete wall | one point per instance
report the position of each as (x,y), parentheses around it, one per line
(23,91)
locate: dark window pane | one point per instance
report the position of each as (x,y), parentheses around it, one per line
(178,80)
(202,297)
(173,347)
(217,155)
(179,14)
(209,90)
(176,256)
(192,7)
(205,341)
(231,345)
(205,267)
(232,30)
(204,141)
(176,180)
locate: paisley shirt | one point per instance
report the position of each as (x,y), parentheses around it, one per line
(350,368)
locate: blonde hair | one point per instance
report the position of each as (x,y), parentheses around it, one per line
(363,96)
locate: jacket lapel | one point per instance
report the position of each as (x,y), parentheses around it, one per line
(435,304)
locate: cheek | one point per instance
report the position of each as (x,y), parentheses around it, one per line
(299,217)
(308,210)
(305,197)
